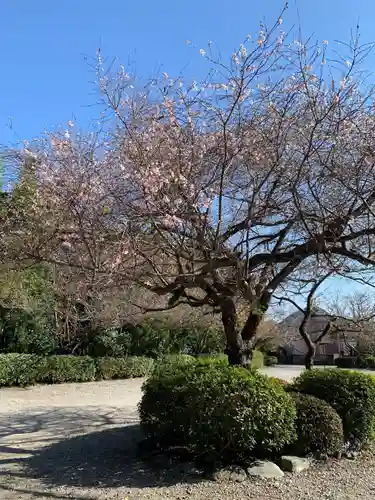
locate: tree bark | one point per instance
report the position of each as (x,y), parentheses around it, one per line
(310,356)
(237,350)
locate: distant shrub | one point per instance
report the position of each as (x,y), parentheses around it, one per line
(216,410)
(60,369)
(222,359)
(367,362)
(351,394)
(270,360)
(319,427)
(196,339)
(347,362)
(174,359)
(122,368)
(258,360)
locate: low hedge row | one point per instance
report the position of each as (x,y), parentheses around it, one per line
(29,369)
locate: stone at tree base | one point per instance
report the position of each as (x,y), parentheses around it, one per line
(232,473)
(294,464)
(265,469)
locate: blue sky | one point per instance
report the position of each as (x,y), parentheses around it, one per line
(43,43)
(46,80)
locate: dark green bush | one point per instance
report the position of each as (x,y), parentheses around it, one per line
(156,339)
(196,339)
(122,368)
(351,394)
(319,427)
(367,362)
(60,369)
(216,410)
(347,362)
(270,360)
(110,343)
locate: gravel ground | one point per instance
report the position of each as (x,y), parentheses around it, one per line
(70,441)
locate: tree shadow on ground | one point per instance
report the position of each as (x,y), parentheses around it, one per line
(106,459)
(42,494)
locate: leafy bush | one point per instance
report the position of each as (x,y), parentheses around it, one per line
(156,339)
(19,369)
(110,343)
(196,339)
(319,427)
(270,360)
(117,368)
(281,381)
(351,394)
(216,410)
(60,369)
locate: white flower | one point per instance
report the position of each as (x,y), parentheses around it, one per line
(280,21)
(325,42)
(202,52)
(165,75)
(70,124)
(235,58)
(243,52)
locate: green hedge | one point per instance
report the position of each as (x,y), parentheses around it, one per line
(19,369)
(29,369)
(216,410)
(122,368)
(350,393)
(60,369)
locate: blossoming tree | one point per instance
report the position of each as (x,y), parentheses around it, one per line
(217,193)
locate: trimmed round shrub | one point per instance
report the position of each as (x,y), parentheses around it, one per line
(351,394)
(216,410)
(319,426)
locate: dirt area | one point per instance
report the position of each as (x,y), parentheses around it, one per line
(79,441)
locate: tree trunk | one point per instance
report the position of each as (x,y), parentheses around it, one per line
(310,356)
(237,350)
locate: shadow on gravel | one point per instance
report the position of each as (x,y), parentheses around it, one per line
(106,459)
(41,494)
